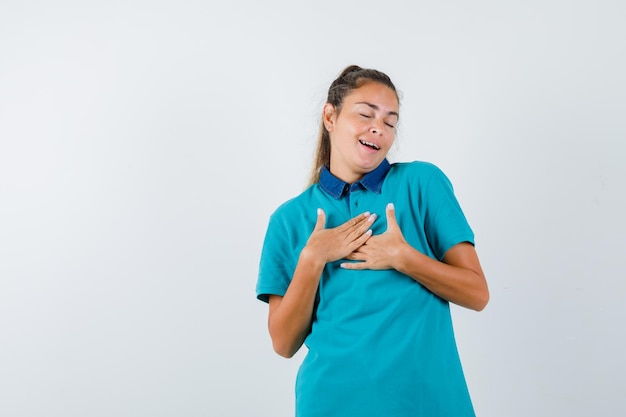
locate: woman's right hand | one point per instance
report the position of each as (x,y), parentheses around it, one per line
(329,245)
(290,315)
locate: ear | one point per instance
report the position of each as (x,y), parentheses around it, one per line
(329,117)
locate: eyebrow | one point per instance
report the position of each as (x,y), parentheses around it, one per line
(375,107)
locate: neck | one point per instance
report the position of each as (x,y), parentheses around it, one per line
(349,177)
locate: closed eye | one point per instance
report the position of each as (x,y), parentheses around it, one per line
(365,115)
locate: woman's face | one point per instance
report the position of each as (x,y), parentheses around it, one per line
(362,132)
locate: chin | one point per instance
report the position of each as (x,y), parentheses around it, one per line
(368,167)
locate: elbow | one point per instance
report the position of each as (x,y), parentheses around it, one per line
(283,349)
(287,354)
(481,301)
(284,343)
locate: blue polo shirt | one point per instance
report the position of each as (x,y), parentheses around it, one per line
(380,344)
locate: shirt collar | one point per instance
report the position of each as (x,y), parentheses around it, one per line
(372,181)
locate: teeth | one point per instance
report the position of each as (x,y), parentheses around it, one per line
(370,144)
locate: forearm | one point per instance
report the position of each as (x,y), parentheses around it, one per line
(290,316)
(459,279)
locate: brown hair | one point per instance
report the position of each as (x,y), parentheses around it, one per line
(351,78)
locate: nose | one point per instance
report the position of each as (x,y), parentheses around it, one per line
(376,127)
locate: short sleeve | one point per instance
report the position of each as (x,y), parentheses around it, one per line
(277,264)
(445,224)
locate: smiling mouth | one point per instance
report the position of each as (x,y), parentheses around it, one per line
(369,144)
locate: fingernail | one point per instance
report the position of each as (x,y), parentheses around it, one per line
(390,206)
(372,218)
(319,211)
(367,213)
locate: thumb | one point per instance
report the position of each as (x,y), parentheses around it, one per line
(391,217)
(321,220)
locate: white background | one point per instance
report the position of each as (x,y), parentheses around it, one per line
(143,146)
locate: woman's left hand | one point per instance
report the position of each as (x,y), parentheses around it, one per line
(380,251)
(458,278)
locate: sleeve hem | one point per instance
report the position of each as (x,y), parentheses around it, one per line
(454,242)
(263,294)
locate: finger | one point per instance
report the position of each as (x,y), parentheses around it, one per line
(355,221)
(353,265)
(321,220)
(360,240)
(391,217)
(355,256)
(363,226)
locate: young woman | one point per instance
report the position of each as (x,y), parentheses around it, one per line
(362,265)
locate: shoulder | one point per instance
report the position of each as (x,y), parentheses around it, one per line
(424,177)
(291,223)
(416,170)
(296,205)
